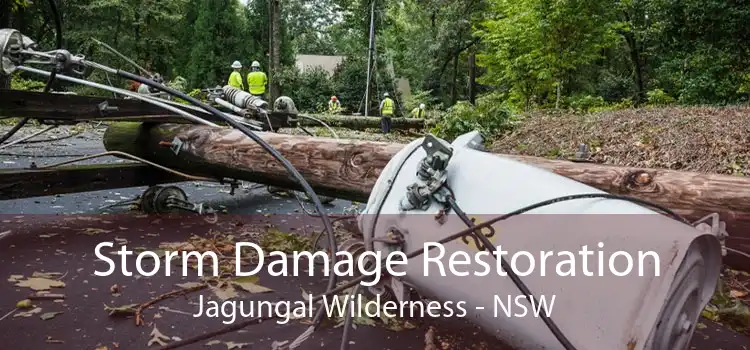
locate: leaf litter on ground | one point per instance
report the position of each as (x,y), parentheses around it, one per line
(40,283)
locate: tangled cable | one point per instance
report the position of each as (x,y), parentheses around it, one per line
(472,230)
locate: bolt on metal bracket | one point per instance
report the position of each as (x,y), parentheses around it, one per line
(104,107)
(176,145)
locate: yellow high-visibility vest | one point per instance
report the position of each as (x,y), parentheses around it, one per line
(417,112)
(387,107)
(256,82)
(235,80)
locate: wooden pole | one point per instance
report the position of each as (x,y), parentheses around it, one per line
(348,169)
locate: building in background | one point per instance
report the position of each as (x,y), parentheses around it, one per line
(327,63)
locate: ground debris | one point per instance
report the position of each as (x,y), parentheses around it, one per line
(121,310)
(49,315)
(726,307)
(37,283)
(29,313)
(647,137)
(157,338)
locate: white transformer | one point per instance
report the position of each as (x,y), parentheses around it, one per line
(655,310)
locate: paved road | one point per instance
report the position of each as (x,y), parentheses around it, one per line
(41,240)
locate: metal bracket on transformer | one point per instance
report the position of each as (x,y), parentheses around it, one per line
(431,175)
(713,225)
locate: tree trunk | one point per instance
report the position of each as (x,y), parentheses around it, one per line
(4,23)
(472,77)
(275,48)
(635,58)
(354,166)
(348,169)
(454,89)
(362,123)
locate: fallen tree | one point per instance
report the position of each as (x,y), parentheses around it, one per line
(362,123)
(348,169)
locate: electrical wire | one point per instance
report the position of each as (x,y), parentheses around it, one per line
(21,140)
(129,156)
(465,232)
(336,136)
(268,148)
(48,86)
(135,95)
(14,129)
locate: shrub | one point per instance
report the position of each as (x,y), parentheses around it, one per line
(658,97)
(490,116)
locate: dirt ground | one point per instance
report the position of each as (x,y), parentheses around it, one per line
(702,139)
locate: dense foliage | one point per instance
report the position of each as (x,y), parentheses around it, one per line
(529,54)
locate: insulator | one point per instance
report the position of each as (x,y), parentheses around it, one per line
(243,99)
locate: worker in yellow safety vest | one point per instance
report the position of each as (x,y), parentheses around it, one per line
(235,79)
(257,80)
(386,112)
(334,105)
(418,112)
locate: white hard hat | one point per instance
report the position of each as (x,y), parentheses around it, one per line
(385,94)
(255,64)
(236,64)
(421,106)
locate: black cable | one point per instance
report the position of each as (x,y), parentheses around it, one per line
(25,120)
(48,86)
(275,153)
(418,252)
(551,325)
(14,130)
(473,229)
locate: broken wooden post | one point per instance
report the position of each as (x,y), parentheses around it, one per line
(348,169)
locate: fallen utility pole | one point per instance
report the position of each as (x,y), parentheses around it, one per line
(348,169)
(362,123)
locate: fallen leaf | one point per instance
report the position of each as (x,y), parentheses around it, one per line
(737,293)
(189,285)
(49,315)
(48,235)
(213,342)
(700,325)
(28,313)
(248,283)
(225,291)
(24,304)
(121,310)
(90,231)
(157,337)
(36,283)
(114,289)
(15,278)
(102,348)
(232,345)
